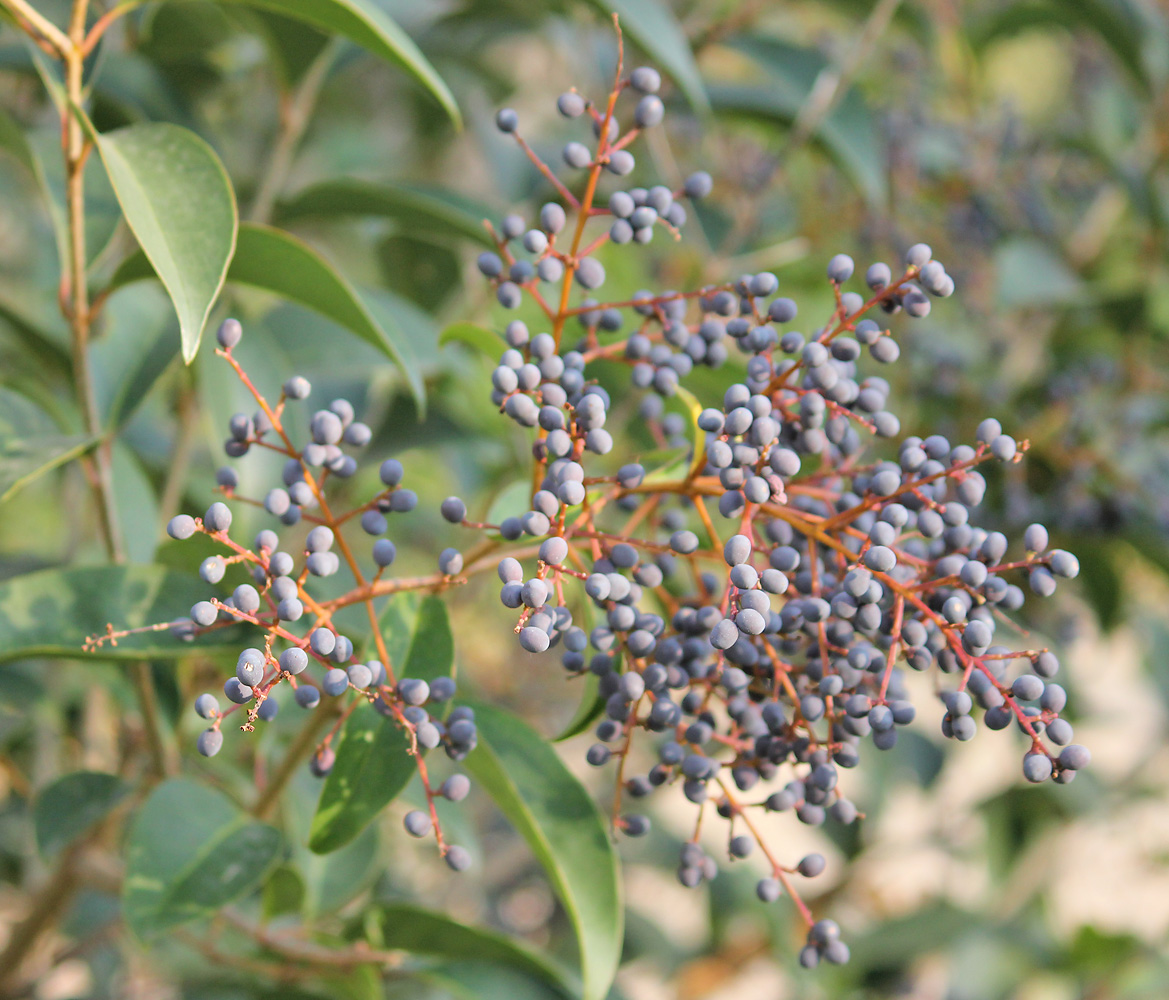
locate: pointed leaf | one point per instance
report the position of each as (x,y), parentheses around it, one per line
(848,134)
(52,613)
(71,805)
(424,932)
(24,460)
(278,262)
(178,200)
(473,335)
(565,830)
(190,852)
(436,210)
(373,762)
(363,22)
(654,27)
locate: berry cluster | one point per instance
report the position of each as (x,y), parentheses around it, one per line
(768,646)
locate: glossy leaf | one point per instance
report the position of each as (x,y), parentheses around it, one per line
(483,981)
(411,334)
(565,830)
(373,762)
(365,23)
(278,262)
(23,460)
(52,612)
(136,504)
(848,134)
(652,24)
(425,932)
(414,206)
(589,709)
(179,203)
(478,337)
(68,807)
(190,852)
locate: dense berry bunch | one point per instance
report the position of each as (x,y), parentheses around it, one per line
(296,629)
(775,644)
(750,607)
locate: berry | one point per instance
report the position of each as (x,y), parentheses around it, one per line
(228,335)
(458,859)
(210,741)
(181,526)
(217,518)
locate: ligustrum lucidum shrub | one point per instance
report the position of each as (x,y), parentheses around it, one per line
(748,611)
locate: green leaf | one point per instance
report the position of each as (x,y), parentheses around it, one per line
(282,894)
(848,134)
(178,200)
(420,270)
(278,262)
(71,805)
(411,334)
(478,337)
(424,932)
(52,613)
(102,212)
(135,351)
(363,22)
(293,45)
(47,344)
(416,207)
(483,981)
(190,852)
(373,762)
(654,27)
(25,459)
(1031,275)
(136,504)
(511,501)
(332,880)
(565,830)
(14,142)
(592,704)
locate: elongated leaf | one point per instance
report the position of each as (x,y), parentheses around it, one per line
(278,262)
(424,932)
(564,829)
(44,343)
(191,852)
(24,460)
(102,212)
(411,334)
(178,200)
(71,805)
(373,762)
(414,206)
(136,503)
(848,134)
(484,981)
(654,27)
(53,611)
(363,22)
(14,142)
(591,705)
(473,335)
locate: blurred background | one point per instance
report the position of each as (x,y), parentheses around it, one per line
(1026,140)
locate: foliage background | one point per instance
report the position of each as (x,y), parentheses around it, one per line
(1027,142)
